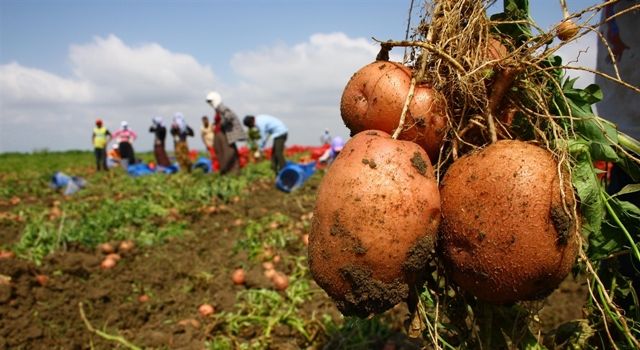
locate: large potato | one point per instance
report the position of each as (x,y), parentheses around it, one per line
(375,95)
(374,224)
(505,235)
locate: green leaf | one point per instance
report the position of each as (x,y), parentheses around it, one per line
(628,213)
(632,188)
(607,242)
(567,87)
(630,167)
(588,188)
(622,215)
(602,151)
(593,129)
(592,94)
(514,10)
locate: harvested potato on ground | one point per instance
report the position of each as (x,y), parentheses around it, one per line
(375,223)
(506,234)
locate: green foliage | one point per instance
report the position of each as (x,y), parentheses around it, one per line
(29,174)
(514,10)
(610,225)
(260,235)
(260,311)
(357,334)
(113,206)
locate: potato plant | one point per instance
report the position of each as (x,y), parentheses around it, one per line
(523,204)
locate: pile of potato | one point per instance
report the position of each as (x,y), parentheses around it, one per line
(500,220)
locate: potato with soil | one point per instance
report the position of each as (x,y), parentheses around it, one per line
(375,223)
(375,95)
(505,233)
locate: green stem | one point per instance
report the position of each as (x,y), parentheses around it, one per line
(624,140)
(611,212)
(105,335)
(613,317)
(629,142)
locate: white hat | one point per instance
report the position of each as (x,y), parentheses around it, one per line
(124,123)
(214,99)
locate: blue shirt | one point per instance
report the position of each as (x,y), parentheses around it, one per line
(269,126)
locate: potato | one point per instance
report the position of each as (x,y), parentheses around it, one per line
(374,224)
(495,50)
(375,95)
(567,30)
(505,235)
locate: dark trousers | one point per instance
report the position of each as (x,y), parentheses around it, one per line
(101,158)
(126,152)
(277,157)
(227,154)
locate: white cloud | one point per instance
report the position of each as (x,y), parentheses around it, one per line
(138,75)
(110,80)
(27,86)
(301,84)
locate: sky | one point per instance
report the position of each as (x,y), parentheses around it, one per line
(64,63)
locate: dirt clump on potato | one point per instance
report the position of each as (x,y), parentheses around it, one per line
(374,227)
(507,232)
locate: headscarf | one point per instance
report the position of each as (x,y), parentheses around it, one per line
(157,120)
(214,99)
(337,144)
(178,119)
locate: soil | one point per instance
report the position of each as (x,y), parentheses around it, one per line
(151,297)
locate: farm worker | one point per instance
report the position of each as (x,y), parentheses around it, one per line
(180,131)
(274,128)
(100,138)
(113,156)
(207,135)
(125,138)
(227,156)
(332,152)
(230,127)
(160,132)
(325,139)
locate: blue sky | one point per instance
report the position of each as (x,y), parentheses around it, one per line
(64,63)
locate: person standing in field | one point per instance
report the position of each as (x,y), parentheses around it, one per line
(325,139)
(274,128)
(230,127)
(160,132)
(125,138)
(180,132)
(224,150)
(207,134)
(100,138)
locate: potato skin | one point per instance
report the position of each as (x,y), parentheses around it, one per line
(504,235)
(373,100)
(495,50)
(375,223)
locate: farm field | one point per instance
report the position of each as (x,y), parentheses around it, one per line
(191,232)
